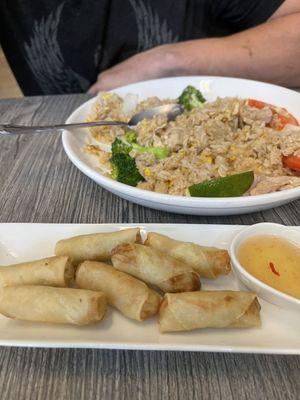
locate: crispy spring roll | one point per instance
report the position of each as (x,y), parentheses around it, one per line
(130,296)
(209,262)
(96,246)
(211,309)
(52,271)
(55,305)
(154,267)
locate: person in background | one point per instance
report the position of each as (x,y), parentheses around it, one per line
(71,46)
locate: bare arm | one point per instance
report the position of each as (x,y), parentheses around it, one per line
(269,52)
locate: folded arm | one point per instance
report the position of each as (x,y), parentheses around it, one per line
(269,52)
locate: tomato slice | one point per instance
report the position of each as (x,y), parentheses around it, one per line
(281,117)
(256,103)
(281,120)
(292,162)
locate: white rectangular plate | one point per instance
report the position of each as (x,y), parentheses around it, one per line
(279,333)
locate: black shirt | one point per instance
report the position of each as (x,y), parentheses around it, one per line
(59,46)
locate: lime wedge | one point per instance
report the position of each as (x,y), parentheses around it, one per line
(229,186)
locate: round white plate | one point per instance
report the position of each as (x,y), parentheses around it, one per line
(211,87)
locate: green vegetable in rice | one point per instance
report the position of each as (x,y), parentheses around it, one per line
(123,166)
(119,146)
(124,169)
(131,137)
(129,143)
(158,152)
(191,98)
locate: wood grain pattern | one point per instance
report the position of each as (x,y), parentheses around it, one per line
(39,184)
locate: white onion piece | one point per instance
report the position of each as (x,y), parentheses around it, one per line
(104,146)
(130,102)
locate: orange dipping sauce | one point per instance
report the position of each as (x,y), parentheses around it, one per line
(274,261)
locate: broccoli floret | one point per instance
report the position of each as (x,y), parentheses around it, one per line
(124,169)
(126,146)
(191,98)
(119,146)
(131,137)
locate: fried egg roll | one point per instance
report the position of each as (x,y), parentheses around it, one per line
(95,246)
(208,309)
(55,305)
(52,271)
(154,267)
(209,262)
(130,296)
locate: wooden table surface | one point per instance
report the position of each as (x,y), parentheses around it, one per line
(39,184)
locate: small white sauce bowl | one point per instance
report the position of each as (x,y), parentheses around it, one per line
(263,290)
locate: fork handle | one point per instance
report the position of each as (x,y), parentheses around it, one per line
(8,129)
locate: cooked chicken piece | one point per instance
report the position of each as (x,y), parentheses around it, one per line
(270,184)
(250,114)
(173,139)
(217,129)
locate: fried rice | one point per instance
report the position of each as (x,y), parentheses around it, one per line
(224,137)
